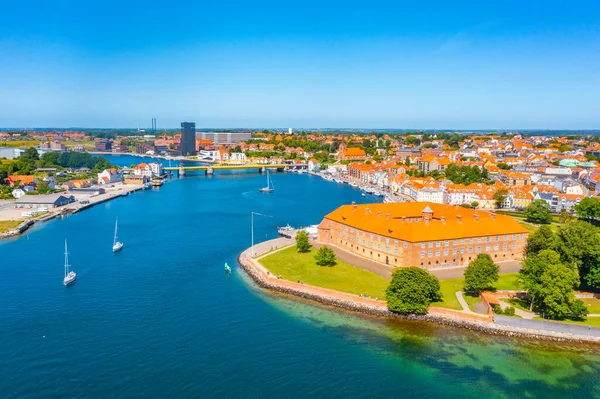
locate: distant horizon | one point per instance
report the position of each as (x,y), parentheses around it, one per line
(302,129)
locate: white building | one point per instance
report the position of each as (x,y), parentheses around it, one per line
(437,195)
(109,176)
(237,157)
(148,169)
(209,155)
(314,165)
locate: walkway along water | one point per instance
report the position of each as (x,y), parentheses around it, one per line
(499,325)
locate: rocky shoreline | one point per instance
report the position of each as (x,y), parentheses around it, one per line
(378,308)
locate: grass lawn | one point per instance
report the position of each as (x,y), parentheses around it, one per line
(593,305)
(6,225)
(448,289)
(472,300)
(294,266)
(590,321)
(450,286)
(20,143)
(517,303)
(507,282)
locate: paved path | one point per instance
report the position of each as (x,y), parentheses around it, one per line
(548,326)
(463,303)
(268,246)
(508,266)
(524,314)
(354,260)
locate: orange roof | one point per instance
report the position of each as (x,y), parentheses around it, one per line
(24,179)
(457,222)
(354,152)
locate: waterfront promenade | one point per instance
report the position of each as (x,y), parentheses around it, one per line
(249,260)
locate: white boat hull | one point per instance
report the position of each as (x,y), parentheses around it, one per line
(117,247)
(70,279)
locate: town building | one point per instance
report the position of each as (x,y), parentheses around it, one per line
(102,145)
(350,154)
(218,138)
(422,234)
(48,201)
(109,176)
(187,145)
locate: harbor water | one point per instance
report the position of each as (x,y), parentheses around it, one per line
(161,318)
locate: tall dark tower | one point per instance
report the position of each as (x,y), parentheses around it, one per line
(187,145)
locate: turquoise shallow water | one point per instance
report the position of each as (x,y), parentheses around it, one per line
(160,319)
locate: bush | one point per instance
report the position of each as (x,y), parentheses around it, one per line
(578,310)
(509,311)
(498,309)
(325,256)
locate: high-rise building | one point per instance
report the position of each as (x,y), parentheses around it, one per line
(187,145)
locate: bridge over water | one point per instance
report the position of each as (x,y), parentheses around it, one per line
(210,169)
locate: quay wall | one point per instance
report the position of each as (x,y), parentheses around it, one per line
(263,278)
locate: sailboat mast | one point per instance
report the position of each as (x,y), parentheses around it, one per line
(116,224)
(66,259)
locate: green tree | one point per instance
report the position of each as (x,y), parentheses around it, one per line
(530,276)
(556,293)
(30,155)
(588,209)
(412,290)
(565,217)
(543,238)
(538,211)
(500,197)
(302,244)
(580,245)
(43,187)
(481,273)
(325,256)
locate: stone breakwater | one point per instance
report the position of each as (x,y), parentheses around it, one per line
(263,278)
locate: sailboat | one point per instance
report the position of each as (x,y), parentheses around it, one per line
(270,188)
(117,245)
(70,276)
(227,268)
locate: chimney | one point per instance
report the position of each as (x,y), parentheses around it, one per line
(354,206)
(403,219)
(367,210)
(459,217)
(378,213)
(476,216)
(493,214)
(443,219)
(387,216)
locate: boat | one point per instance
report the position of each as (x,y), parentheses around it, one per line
(364,195)
(227,268)
(327,177)
(286,231)
(117,245)
(70,276)
(354,184)
(270,188)
(157,182)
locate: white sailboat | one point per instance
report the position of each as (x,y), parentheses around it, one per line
(117,245)
(270,188)
(70,276)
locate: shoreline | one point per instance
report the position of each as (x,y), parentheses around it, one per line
(27,224)
(264,279)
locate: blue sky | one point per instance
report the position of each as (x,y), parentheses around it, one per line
(427,64)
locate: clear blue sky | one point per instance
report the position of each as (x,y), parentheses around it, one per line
(415,64)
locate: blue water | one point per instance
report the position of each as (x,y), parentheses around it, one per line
(161,319)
